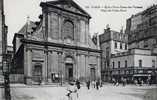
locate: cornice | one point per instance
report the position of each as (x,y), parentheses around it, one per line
(44,43)
(45,5)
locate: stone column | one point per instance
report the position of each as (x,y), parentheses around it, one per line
(82,67)
(63,67)
(87,31)
(44,68)
(98,67)
(60,26)
(60,64)
(79,31)
(87,68)
(75,30)
(49,66)
(77,66)
(29,66)
(49,25)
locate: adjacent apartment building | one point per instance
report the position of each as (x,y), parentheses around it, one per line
(139,62)
(111,42)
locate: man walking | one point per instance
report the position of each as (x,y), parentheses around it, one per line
(97,84)
(88,84)
(78,84)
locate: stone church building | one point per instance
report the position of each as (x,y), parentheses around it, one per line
(58,47)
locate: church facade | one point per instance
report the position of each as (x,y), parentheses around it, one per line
(58,47)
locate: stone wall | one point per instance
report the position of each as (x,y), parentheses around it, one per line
(55,63)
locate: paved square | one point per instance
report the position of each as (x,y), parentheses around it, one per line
(107,92)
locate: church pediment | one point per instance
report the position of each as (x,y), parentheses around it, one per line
(68,5)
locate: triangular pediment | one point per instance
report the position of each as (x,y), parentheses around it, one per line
(69,5)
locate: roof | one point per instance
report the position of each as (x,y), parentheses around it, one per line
(112,35)
(65,2)
(27,27)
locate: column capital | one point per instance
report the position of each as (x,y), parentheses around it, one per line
(59,52)
(28,49)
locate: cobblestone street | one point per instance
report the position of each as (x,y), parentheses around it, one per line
(107,92)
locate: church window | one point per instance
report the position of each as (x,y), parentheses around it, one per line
(68,30)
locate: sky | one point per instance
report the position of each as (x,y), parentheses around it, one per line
(103,12)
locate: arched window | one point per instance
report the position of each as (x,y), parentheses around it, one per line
(68,30)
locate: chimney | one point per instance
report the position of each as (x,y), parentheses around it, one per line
(107,30)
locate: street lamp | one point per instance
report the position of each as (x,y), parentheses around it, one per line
(6,71)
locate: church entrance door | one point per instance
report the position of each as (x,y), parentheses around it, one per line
(69,71)
(92,70)
(37,73)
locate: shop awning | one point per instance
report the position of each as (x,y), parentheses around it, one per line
(140,75)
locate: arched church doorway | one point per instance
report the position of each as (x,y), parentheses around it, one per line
(92,72)
(69,69)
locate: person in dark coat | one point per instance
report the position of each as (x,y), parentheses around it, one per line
(88,84)
(78,84)
(97,84)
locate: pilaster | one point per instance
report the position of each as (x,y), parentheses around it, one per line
(49,65)
(60,26)
(87,67)
(28,66)
(98,67)
(45,68)
(60,66)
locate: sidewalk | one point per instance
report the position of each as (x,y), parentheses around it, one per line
(107,92)
(83,85)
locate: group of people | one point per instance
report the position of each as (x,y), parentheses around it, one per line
(74,87)
(140,82)
(116,82)
(136,81)
(95,84)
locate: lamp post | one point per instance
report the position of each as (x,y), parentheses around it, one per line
(6,71)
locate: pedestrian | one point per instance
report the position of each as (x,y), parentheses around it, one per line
(72,91)
(117,83)
(97,84)
(125,82)
(122,80)
(93,84)
(136,82)
(114,81)
(149,81)
(78,84)
(88,84)
(140,82)
(101,83)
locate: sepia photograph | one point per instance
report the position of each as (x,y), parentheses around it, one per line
(78,49)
